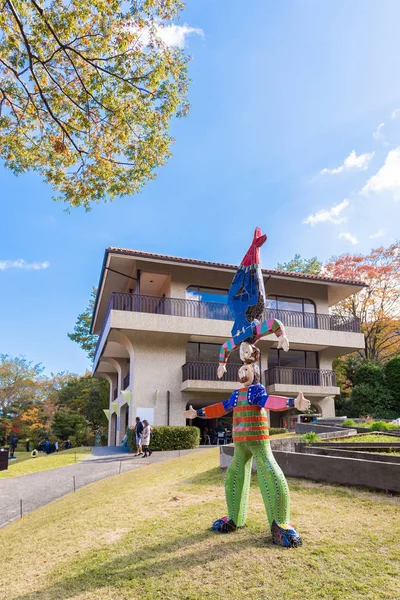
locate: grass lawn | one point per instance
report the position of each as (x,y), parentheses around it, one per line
(144,535)
(367,437)
(25,464)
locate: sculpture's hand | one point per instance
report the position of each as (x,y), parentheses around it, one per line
(221,370)
(301,403)
(191,413)
(283,343)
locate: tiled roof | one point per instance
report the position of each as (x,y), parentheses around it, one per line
(205,263)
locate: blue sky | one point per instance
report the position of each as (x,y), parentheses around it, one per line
(287,99)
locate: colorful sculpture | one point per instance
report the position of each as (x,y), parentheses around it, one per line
(249,404)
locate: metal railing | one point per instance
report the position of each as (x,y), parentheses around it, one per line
(314,320)
(299,376)
(181,307)
(207,371)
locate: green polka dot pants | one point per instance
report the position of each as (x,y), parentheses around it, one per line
(272,482)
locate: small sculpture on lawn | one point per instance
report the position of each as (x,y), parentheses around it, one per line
(250,403)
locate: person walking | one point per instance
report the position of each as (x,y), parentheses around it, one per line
(146,439)
(138,435)
(28,445)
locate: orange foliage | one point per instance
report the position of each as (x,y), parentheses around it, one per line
(378,305)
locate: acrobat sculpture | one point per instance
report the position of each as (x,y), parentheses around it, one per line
(250,404)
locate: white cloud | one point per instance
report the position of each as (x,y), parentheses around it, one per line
(175,35)
(377,234)
(387,179)
(395,113)
(22,264)
(378,135)
(349,237)
(332,215)
(351,162)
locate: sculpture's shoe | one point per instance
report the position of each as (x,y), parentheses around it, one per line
(285,535)
(224,525)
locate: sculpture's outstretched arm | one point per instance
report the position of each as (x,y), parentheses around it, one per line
(213,411)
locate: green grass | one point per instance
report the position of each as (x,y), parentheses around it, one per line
(144,535)
(25,464)
(367,437)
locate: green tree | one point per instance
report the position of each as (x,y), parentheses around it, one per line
(392,378)
(67,423)
(82,335)
(373,400)
(87,91)
(20,385)
(87,396)
(313,266)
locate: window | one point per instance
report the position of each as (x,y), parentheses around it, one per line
(291,304)
(201,352)
(205,294)
(302,359)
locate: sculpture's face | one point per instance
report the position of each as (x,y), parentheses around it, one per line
(246,351)
(246,375)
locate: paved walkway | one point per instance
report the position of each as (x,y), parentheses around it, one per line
(38,489)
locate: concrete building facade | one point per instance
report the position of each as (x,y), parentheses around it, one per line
(161,321)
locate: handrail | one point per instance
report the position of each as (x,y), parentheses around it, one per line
(300,376)
(207,371)
(182,307)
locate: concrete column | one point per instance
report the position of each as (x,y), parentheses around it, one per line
(112,380)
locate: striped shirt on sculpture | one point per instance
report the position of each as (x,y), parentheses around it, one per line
(249,405)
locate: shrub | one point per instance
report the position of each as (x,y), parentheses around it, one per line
(380,426)
(277,430)
(310,437)
(169,438)
(348,423)
(368,373)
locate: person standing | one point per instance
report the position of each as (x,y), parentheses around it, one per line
(146,439)
(28,445)
(13,444)
(138,435)
(56,446)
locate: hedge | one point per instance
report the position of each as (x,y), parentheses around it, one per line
(277,430)
(169,438)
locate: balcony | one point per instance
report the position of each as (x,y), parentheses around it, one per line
(180,307)
(202,376)
(293,379)
(195,318)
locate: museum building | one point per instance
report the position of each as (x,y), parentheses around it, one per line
(162,319)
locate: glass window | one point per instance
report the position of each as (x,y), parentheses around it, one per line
(293,358)
(270,302)
(209,353)
(204,294)
(294,304)
(192,352)
(312,360)
(309,307)
(273,358)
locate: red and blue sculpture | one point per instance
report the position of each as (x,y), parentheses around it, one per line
(250,405)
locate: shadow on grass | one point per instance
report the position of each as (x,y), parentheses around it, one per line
(139,566)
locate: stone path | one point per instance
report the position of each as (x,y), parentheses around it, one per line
(38,489)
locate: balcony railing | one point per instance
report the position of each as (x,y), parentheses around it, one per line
(207,371)
(181,307)
(298,376)
(216,310)
(125,382)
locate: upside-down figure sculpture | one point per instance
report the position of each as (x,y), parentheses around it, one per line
(250,403)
